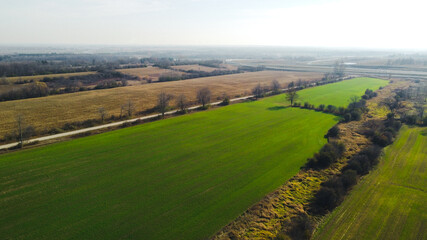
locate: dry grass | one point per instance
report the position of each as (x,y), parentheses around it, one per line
(55,111)
(40,77)
(146,73)
(194,67)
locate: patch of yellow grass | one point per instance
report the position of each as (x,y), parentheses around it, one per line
(195,67)
(149,72)
(55,111)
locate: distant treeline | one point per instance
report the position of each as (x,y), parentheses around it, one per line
(59,85)
(40,64)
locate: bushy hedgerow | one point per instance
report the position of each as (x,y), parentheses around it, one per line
(327,155)
(333,132)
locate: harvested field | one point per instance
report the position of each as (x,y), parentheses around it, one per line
(390,202)
(195,67)
(40,77)
(146,73)
(55,111)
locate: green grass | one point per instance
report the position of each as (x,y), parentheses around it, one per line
(179,178)
(390,203)
(339,93)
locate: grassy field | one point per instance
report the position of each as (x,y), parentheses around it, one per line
(152,73)
(56,110)
(180,178)
(339,93)
(390,202)
(40,77)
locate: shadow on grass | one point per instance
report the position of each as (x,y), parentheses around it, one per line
(276,108)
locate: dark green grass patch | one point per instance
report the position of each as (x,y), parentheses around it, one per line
(180,178)
(339,93)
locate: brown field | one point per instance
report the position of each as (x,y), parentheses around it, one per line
(54,111)
(194,67)
(152,73)
(40,77)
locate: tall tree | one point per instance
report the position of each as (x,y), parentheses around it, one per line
(181,103)
(163,100)
(275,86)
(130,108)
(258,91)
(292,96)
(204,96)
(102,113)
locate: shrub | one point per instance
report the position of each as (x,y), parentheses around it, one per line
(355,115)
(331,108)
(226,101)
(349,178)
(326,198)
(333,132)
(306,105)
(347,117)
(321,107)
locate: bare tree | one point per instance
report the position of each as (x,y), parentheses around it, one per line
(257,91)
(122,109)
(275,86)
(292,96)
(130,108)
(204,96)
(163,100)
(291,84)
(102,113)
(181,103)
(23,131)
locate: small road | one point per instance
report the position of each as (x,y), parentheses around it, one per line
(114,124)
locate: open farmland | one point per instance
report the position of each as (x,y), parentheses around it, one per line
(390,202)
(40,77)
(146,73)
(338,94)
(179,178)
(55,111)
(195,67)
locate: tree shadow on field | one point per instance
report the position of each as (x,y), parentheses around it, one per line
(276,108)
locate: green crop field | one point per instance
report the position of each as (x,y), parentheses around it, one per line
(179,178)
(338,94)
(390,203)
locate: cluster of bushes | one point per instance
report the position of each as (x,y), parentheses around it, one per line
(331,193)
(327,155)
(35,89)
(369,94)
(59,85)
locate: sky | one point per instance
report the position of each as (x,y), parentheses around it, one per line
(315,23)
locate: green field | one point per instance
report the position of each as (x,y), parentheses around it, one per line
(179,178)
(390,203)
(339,93)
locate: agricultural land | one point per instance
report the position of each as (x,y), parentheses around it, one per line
(389,203)
(179,178)
(56,110)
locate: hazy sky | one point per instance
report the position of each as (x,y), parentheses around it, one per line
(337,23)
